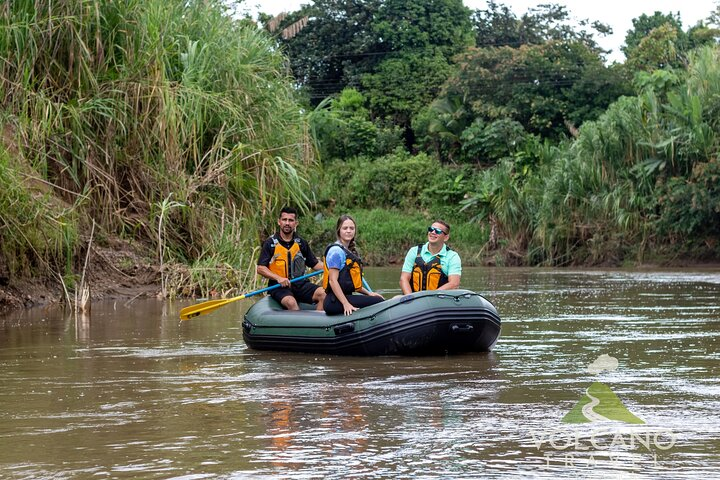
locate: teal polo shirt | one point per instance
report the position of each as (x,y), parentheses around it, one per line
(450,262)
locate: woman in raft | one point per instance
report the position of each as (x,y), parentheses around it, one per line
(343,273)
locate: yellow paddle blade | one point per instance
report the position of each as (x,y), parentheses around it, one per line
(206,307)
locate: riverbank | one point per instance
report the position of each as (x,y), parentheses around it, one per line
(117,270)
(121,270)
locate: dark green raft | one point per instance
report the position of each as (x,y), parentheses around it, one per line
(422,323)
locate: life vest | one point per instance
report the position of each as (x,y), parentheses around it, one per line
(288,263)
(349,277)
(427,276)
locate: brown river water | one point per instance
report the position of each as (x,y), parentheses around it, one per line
(132,392)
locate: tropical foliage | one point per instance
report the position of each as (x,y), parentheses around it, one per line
(498,26)
(161,120)
(36,231)
(174,124)
(570,160)
(644,174)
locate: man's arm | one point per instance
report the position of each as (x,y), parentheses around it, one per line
(406,273)
(311,260)
(454,272)
(265,272)
(405,278)
(452,284)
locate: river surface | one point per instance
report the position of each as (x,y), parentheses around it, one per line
(132,392)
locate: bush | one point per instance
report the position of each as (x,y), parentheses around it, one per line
(399,180)
(342,129)
(490,142)
(384,236)
(691,207)
(36,237)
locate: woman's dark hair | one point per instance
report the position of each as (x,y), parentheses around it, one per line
(340,221)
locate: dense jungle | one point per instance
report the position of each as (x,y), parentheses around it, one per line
(147,146)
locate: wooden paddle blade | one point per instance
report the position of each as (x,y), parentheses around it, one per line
(206,307)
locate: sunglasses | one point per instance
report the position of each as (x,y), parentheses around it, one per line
(437,231)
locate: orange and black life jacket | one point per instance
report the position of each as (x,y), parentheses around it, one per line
(427,276)
(288,263)
(349,277)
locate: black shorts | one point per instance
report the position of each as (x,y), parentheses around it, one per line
(303,291)
(332,305)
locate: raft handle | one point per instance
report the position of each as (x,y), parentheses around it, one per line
(406,298)
(461,328)
(344,328)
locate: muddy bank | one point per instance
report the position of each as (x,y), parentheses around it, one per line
(118,270)
(122,270)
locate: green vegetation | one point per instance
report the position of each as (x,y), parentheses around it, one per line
(561,158)
(384,235)
(36,231)
(124,109)
(171,124)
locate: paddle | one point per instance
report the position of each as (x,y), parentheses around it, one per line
(210,306)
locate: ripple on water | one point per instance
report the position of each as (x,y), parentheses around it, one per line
(145,397)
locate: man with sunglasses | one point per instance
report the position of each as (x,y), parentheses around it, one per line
(431,266)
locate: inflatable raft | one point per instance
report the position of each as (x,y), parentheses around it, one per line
(422,323)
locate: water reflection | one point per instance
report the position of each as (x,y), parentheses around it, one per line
(344,410)
(132,392)
(339,425)
(82,326)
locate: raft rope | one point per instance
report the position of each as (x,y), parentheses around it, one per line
(409,298)
(405,299)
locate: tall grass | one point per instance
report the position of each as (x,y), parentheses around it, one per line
(37,233)
(131,102)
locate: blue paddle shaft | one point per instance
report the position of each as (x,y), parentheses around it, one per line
(273,287)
